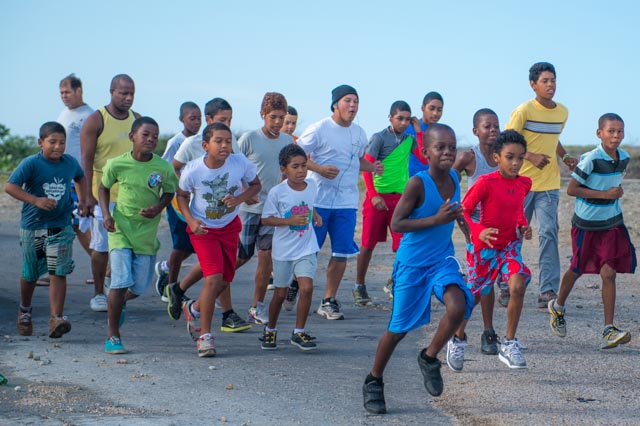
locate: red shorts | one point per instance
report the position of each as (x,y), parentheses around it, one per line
(217,249)
(486,264)
(594,249)
(375,222)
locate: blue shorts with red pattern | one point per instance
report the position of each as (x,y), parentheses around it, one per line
(486,264)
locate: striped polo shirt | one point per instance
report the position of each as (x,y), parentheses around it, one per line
(598,171)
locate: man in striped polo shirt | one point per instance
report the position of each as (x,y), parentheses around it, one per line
(541,120)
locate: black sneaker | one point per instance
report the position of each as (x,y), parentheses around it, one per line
(174,305)
(303,341)
(489,342)
(361,295)
(292,295)
(233,323)
(269,339)
(432,377)
(373,393)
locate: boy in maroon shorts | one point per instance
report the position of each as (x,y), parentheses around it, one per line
(392,147)
(599,238)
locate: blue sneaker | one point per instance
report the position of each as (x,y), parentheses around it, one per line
(113,345)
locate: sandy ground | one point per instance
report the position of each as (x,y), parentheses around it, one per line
(71,381)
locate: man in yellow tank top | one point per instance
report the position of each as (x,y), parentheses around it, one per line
(105,135)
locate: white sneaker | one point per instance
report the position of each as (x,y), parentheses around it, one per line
(330,309)
(510,354)
(259,314)
(98,303)
(455,353)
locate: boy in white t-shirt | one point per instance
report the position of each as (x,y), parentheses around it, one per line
(216,182)
(290,208)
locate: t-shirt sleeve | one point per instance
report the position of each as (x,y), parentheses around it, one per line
(79,173)
(583,170)
(109,174)
(471,200)
(22,173)
(375,144)
(186,182)
(182,154)
(270,205)
(517,120)
(243,145)
(309,139)
(170,184)
(526,186)
(363,143)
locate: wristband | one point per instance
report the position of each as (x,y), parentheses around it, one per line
(565,157)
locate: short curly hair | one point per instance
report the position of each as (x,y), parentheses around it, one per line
(273,101)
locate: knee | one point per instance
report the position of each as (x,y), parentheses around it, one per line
(607,273)
(339,259)
(517,288)
(395,337)
(305,290)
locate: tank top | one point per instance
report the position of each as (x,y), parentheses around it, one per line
(112,142)
(482,168)
(431,245)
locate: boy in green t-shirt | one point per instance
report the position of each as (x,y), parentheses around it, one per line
(146,186)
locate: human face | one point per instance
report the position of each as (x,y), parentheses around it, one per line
(545,88)
(122,95)
(218,146)
(345,112)
(192,120)
(145,139)
(223,116)
(611,135)
(488,130)
(432,111)
(510,160)
(400,121)
(290,123)
(72,99)
(53,146)
(440,149)
(296,170)
(273,123)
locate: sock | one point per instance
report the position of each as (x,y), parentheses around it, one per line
(356,286)
(164,266)
(370,378)
(194,312)
(206,335)
(298,330)
(25,309)
(270,329)
(226,314)
(427,358)
(558,307)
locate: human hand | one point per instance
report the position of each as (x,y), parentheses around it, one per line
(197,227)
(230,201)
(487,235)
(538,160)
(525,231)
(415,123)
(46,204)
(329,171)
(613,193)
(378,202)
(89,204)
(299,219)
(109,223)
(378,168)
(317,219)
(253,200)
(448,211)
(571,163)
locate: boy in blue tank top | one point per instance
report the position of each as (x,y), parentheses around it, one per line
(425,264)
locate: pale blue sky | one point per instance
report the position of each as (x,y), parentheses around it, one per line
(476,54)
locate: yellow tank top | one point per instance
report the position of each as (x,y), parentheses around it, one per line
(112,142)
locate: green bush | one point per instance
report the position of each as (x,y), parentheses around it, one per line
(14,148)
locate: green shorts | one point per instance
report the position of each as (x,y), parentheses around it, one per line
(46,250)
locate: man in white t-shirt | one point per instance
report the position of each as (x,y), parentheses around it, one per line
(336,148)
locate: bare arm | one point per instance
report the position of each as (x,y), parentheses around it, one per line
(251,190)
(367,166)
(81,186)
(88,143)
(570,161)
(574,189)
(104,195)
(20,194)
(177,166)
(153,211)
(465,162)
(327,171)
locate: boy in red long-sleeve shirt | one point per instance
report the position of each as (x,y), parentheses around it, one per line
(496,242)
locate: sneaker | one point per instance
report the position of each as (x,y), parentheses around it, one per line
(432,377)
(292,295)
(193,323)
(259,314)
(174,305)
(107,285)
(303,341)
(455,353)
(58,326)
(330,309)
(162,279)
(361,296)
(98,303)
(489,342)
(270,286)
(113,345)
(510,354)
(388,287)
(24,324)
(503,297)
(612,336)
(557,322)
(545,297)
(233,324)
(205,346)
(269,340)
(373,394)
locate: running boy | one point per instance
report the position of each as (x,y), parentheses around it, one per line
(289,208)
(216,182)
(432,106)
(496,244)
(43,183)
(392,147)
(425,264)
(146,186)
(262,147)
(600,240)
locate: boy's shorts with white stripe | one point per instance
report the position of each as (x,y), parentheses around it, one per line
(46,250)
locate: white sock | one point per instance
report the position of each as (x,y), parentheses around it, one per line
(164,266)
(270,329)
(558,307)
(25,309)
(355,286)
(205,335)
(298,330)
(194,312)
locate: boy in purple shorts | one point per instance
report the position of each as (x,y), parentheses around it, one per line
(599,238)
(425,264)
(496,241)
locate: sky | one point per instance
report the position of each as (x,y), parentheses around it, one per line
(476,54)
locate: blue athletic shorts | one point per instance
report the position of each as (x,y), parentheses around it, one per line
(412,291)
(340,224)
(178,230)
(131,271)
